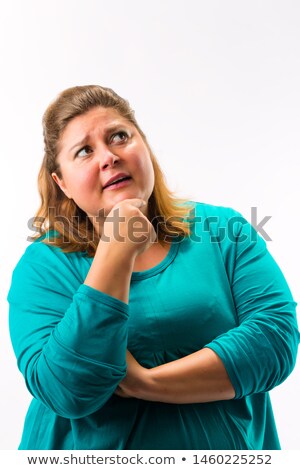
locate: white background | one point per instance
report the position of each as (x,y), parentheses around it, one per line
(215,87)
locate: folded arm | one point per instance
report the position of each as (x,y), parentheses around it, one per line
(198,377)
(255,356)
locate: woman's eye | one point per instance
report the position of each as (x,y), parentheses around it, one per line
(121,136)
(84,151)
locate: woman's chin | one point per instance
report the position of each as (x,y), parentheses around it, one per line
(108,205)
(122,196)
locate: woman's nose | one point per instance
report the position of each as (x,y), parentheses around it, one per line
(107,159)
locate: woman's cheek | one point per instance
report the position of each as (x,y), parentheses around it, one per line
(89,180)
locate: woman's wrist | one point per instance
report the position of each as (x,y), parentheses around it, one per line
(146,387)
(111,271)
(141,386)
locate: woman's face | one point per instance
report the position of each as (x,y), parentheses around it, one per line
(96,149)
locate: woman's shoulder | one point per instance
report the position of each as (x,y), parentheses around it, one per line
(44,264)
(40,251)
(43,252)
(203,209)
(225,225)
(210,215)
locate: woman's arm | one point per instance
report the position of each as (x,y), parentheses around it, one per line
(70,337)
(114,259)
(197,378)
(255,356)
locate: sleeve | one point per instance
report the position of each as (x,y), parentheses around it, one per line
(261,351)
(70,339)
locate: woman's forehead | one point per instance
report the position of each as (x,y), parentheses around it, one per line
(100,118)
(96,116)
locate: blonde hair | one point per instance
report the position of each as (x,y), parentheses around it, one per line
(73,230)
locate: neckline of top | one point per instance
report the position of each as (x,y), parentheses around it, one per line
(139,275)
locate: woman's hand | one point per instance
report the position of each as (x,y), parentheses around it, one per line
(135,381)
(127,229)
(126,233)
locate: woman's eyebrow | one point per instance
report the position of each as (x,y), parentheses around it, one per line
(78,144)
(113,128)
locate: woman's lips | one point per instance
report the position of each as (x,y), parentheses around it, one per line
(117,185)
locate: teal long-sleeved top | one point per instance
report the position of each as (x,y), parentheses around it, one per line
(219,288)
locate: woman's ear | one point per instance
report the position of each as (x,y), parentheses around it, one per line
(59,181)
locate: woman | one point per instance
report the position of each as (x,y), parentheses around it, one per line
(141,321)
